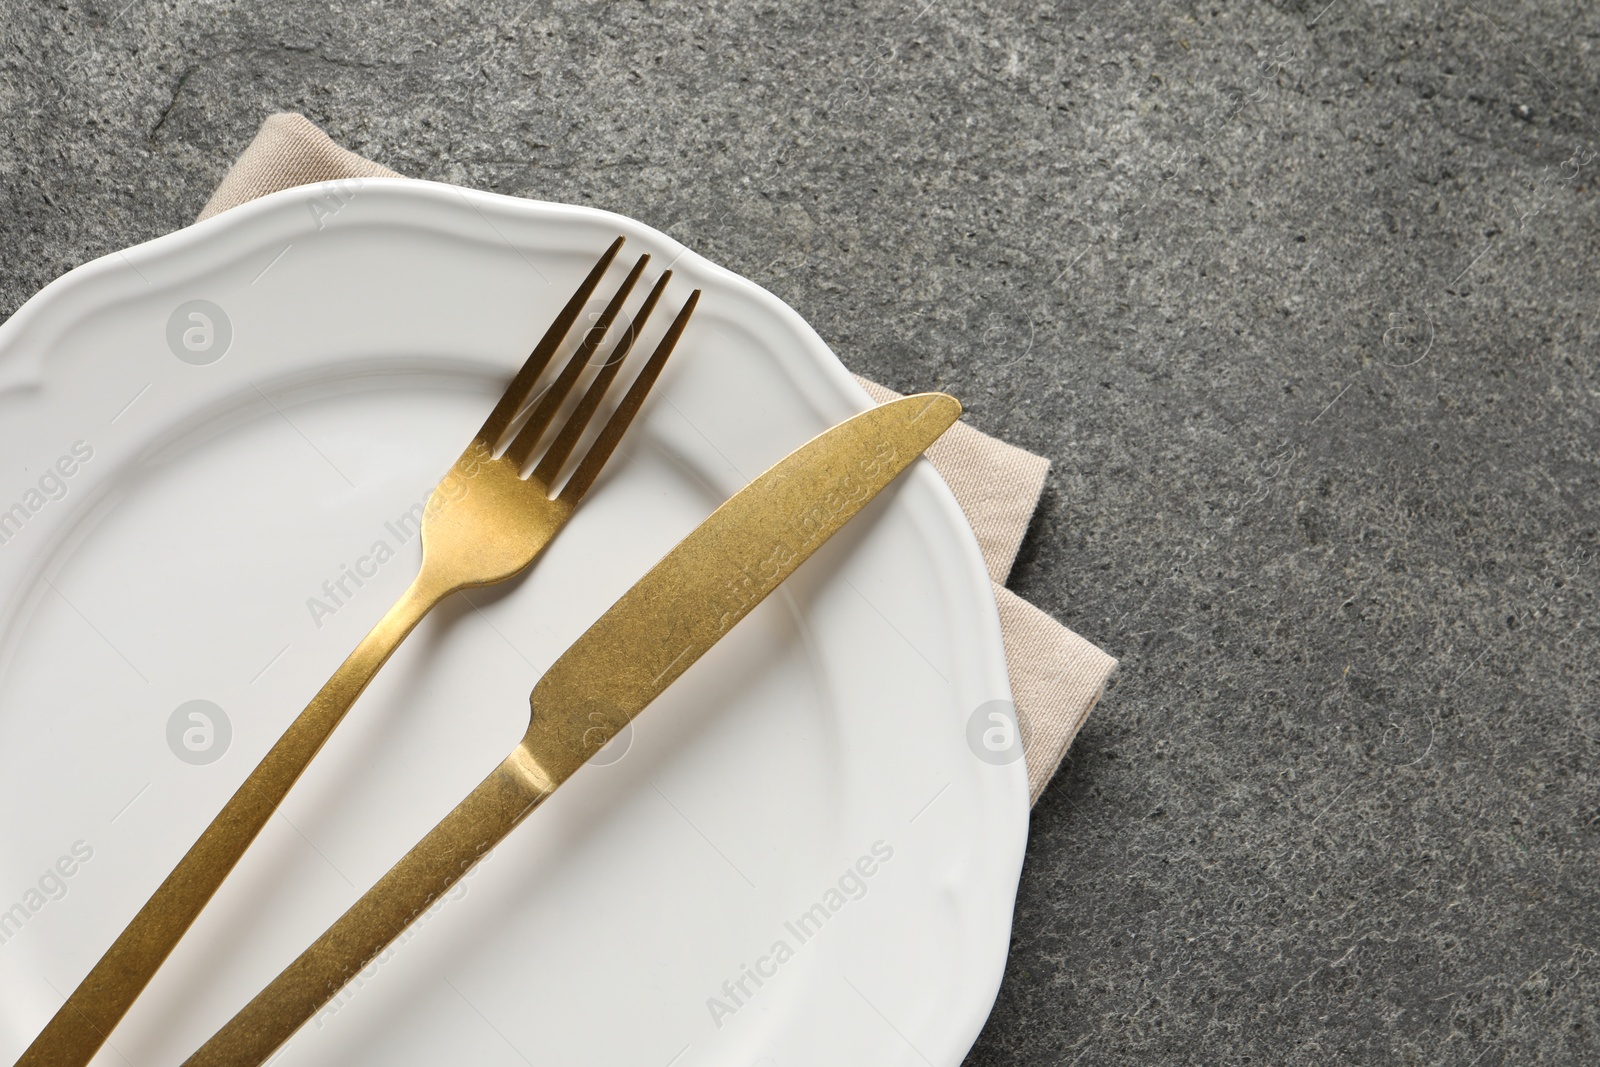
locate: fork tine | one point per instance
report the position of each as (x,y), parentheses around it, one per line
(527,439)
(516,393)
(556,455)
(589,469)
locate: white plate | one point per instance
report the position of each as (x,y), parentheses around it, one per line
(367,328)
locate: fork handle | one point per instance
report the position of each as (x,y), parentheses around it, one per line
(437,862)
(85,1021)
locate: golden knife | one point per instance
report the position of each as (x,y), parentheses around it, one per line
(676,612)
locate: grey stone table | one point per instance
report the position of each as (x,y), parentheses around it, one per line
(1300,298)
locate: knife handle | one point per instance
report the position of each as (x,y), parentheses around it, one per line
(81,1025)
(437,862)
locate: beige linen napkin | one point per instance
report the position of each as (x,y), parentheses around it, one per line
(1056,676)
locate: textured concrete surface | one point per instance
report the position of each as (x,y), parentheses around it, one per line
(1300,299)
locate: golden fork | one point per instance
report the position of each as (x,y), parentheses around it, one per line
(484,523)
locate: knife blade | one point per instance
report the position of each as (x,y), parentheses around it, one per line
(685,604)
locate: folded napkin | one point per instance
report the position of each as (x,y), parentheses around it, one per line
(1056,676)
